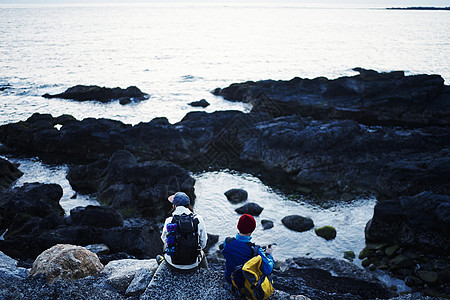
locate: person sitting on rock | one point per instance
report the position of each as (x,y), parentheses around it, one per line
(237,251)
(184,235)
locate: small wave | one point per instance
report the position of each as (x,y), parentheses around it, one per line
(189,78)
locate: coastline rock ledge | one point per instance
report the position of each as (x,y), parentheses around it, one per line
(102,94)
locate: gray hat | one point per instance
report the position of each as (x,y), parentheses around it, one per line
(180,199)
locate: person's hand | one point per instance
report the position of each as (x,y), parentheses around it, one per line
(269,250)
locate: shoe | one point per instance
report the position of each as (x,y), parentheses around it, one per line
(159,259)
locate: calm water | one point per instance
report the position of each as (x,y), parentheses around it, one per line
(348,218)
(178,53)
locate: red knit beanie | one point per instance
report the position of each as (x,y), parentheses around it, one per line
(246,224)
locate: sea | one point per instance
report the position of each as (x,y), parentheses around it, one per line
(179,53)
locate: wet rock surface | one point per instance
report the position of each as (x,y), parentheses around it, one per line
(297,223)
(384,134)
(251,208)
(327,232)
(267,224)
(137,189)
(236,195)
(328,159)
(421,221)
(97,216)
(328,279)
(8,174)
(102,94)
(36,222)
(201,103)
(408,236)
(370,97)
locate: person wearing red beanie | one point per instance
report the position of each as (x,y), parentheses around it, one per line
(246,224)
(240,249)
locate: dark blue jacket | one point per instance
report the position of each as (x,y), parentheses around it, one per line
(237,252)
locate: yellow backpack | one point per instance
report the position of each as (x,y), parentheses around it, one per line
(257,285)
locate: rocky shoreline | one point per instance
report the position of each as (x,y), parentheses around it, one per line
(384,134)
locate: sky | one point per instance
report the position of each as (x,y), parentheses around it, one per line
(387,3)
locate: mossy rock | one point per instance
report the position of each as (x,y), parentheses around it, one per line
(428,276)
(364,253)
(327,232)
(400,261)
(391,250)
(376,246)
(349,255)
(365,263)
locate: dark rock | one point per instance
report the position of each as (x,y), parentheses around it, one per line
(22,204)
(400,261)
(349,255)
(99,249)
(329,159)
(84,178)
(35,222)
(371,98)
(212,240)
(413,281)
(429,277)
(364,253)
(102,94)
(106,258)
(125,100)
(297,223)
(97,216)
(250,208)
(136,189)
(328,278)
(365,262)
(266,224)
(236,195)
(4,87)
(421,221)
(201,103)
(327,232)
(391,250)
(8,174)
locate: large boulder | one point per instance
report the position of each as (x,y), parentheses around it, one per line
(8,173)
(328,278)
(298,223)
(22,206)
(66,262)
(137,189)
(86,139)
(236,195)
(370,97)
(253,209)
(421,221)
(9,269)
(130,276)
(327,232)
(36,222)
(102,94)
(202,284)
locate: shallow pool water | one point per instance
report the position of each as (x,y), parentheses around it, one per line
(348,218)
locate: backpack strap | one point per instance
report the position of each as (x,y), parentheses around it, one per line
(252,246)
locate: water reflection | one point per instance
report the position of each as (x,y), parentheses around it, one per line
(348,218)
